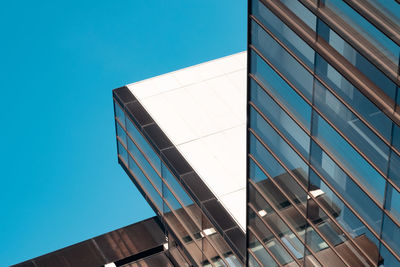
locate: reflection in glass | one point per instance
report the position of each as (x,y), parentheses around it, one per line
(346,187)
(354,97)
(144,145)
(355,58)
(393,201)
(281,90)
(391,234)
(348,157)
(282,60)
(280,119)
(363,26)
(394,169)
(351,126)
(119,113)
(145,184)
(142,161)
(283,32)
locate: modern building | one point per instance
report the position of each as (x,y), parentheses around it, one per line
(181,138)
(137,245)
(287,155)
(323,133)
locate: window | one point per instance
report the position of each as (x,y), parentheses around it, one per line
(280,119)
(349,158)
(284,62)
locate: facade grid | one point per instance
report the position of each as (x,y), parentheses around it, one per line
(323,133)
(196,224)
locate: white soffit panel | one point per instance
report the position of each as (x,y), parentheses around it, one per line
(202,110)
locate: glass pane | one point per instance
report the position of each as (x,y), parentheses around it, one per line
(280,119)
(121,133)
(349,158)
(351,126)
(269,240)
(146,185)
(391,234)
(343,216)
(270,217)
(396,134)
(283,32)
(174,184)
(282,60)
(144,145)
(278,145)
(394,169)
(346,187)
(354,97)
(393,201)
(253,262)
(387,258)
(119,113)
(281,90)
(369,31)
(142,161)
(260,252)
(302,12)
(336,237)
(122,152)
(355,58)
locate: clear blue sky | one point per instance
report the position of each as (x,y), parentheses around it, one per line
(59,60)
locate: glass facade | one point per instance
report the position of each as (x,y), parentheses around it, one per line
(204,240)
(323,149)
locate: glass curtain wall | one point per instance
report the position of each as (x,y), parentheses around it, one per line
(323,156)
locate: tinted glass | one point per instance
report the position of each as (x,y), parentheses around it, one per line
(354,97)
(281,90)
(396,136)
(393,201)
(145,165)
(144,145)
(260,252)
(355,58)
(349,158)
(122,152)
(302,12)
(280,119)
(394,169)
(283,32)
(391,234)
(278,145)
(370,32)
(351,126)
(145,184)
(119,113)
(176,187)
(388,258)
(282,60)
(346,187)
(121,133)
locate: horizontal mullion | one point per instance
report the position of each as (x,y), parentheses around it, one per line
(321,177)
(297,208)
(376,18)
(371,91)
(164,200)
(317,201)
(369,161)
(362,45)
(347,105)
(175,196)
(257,260)
(277,239)
(313,138)
(329,186)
